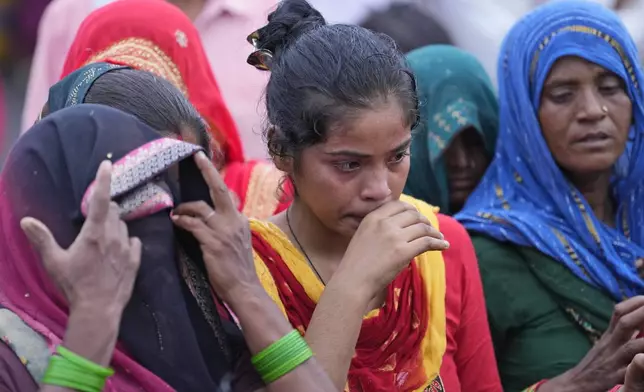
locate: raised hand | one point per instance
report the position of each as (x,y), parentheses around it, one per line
(99,268)
(386,242)
(223,233)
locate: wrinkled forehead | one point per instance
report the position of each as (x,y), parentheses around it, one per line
(590,45)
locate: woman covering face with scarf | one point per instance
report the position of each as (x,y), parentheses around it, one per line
(168,339)
(174,334)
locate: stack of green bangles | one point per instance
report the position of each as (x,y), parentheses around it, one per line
(70,370)
(282,357)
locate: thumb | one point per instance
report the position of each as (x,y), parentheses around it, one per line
(40,237)
(634,381)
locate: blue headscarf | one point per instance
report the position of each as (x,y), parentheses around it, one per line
(524,198)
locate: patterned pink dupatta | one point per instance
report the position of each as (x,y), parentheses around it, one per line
(36,181)
(25,287)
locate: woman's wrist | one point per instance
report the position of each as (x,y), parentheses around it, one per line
(259,317)
(344,283)
(92,332)
(282,357)
(241,292)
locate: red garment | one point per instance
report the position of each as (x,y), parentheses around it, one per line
(469,364)
(401,344)
(158,37)
(405,314)
(535,387)
(261,189)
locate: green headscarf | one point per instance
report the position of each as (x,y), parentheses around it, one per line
(455,93)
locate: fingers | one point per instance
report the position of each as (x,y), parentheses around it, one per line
(420,230)
(124,236)
(195,209)
(628,317)
(629,350)
(634,381)
(407,218)
(113,221)
(135,252)
(218,190)
(421,245)
(624,308)
(411,217)
(41,238)
(99,203)
(196,226)
(123,232)
(393,208)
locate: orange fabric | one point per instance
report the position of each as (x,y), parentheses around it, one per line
(156,36)
(401,344)
(261,189)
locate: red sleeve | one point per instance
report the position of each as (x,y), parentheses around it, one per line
(236,177)
(470,349)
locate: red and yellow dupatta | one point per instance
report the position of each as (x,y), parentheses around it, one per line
(401,344)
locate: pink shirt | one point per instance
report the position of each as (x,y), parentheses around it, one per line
(223,26)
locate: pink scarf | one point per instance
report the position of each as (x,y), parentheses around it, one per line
(3,120)
(26,290)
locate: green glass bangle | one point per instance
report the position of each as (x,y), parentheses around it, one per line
(63,373)
(84,363)
(70,370)
(282,357)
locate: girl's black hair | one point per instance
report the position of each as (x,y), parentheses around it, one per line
(322,74)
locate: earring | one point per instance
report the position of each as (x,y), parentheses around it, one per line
(604,109)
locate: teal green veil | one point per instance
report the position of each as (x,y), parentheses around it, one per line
(455,94)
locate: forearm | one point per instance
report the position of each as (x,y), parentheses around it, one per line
(334,329)
(91,333)
(263,323)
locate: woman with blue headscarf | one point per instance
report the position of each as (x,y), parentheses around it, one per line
(557,221)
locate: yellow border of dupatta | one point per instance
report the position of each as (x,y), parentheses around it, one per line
(431,266)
